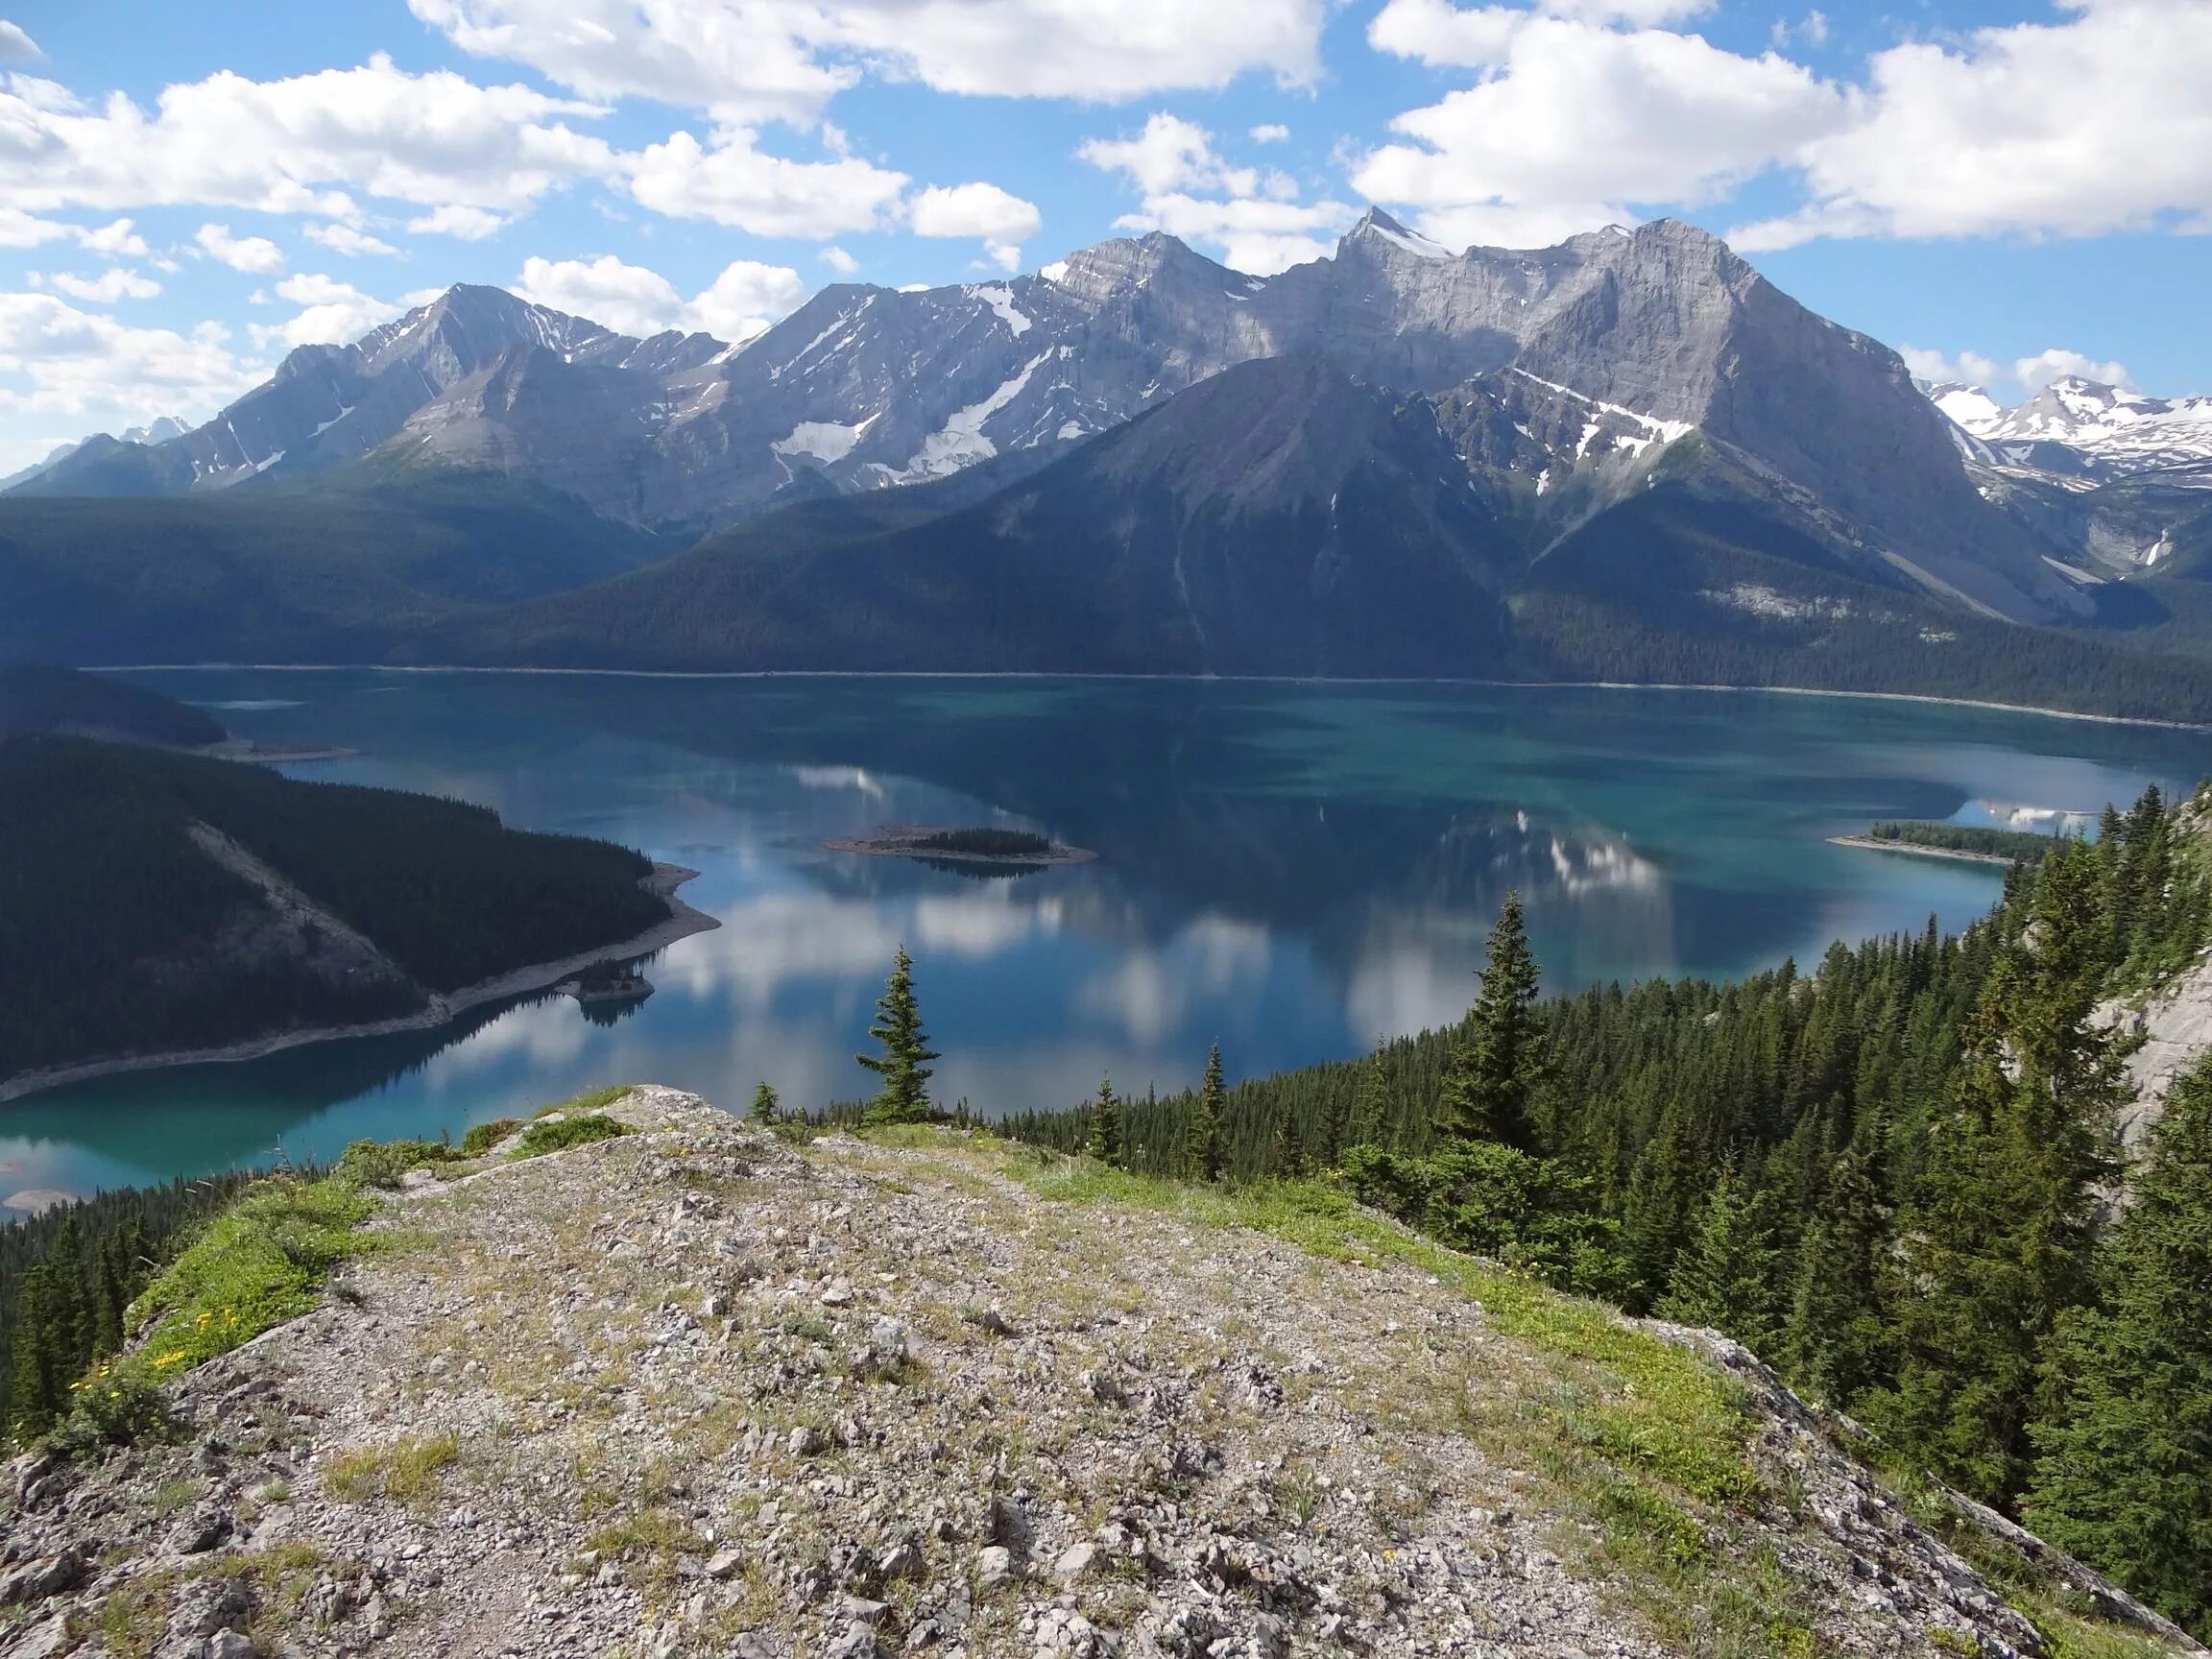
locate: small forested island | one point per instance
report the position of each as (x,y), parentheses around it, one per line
(1977,842)
(974,845)
(607,982)
(158,907)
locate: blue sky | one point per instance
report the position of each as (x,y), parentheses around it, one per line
(2007,190)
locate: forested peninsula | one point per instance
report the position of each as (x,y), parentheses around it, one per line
(164,906)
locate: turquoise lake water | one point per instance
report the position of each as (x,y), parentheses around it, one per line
(1294,869)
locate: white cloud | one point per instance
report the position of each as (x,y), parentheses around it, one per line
(1002,220)
(2076,128)
(744,300)
(1169,154)
(1254,219)
(294,146)
(2057,364)
(255,254)
(747,299)
(56,359)
(21,230)
(466,224)
(1935,368)
(1269,133)
(117,239)
(331,312)
(753,61)
(1812,29)
(344,239)
(840,261)
(111,285)
(1576,120)
(738,185)
(15,46)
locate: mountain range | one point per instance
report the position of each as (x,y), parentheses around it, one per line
(1399,459)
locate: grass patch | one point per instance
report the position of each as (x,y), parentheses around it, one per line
(558,1135)
(386,1163)
(405,1472)
(485,1136)
(590,1100)
(133,1618)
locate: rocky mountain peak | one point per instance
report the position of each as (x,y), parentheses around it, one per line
(1377,235)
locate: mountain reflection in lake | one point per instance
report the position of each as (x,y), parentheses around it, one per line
(1293,870)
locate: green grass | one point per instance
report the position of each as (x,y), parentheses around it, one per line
(561,1134)
(485,1136)
(257,1264)
(590,1100)
(407,1471)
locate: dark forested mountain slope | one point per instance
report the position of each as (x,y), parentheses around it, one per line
(153,901)
(338,572)
(65,701)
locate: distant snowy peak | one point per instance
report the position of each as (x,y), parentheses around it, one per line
(1377,231)
(2120,431)
(1968,407)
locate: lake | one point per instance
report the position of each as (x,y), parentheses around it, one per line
(1293,869)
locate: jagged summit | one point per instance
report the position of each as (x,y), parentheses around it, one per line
(865,387)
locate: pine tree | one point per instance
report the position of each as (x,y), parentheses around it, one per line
(2125,1477)
(1832,1348)
(47,1353)
(1104,1142)
(1489,1084)
(1204,1130)
(1288,1157)
(1370,1102)
(1727,1278)
(1996,1244)
(765,1108)
(903,1064)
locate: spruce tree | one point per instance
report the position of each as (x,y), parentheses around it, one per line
(903,1063)
(1996,1243)
(1288,1157)
(2124,1477)
(1104,1142)
(1832,1348)
(1490,1082)
(1370,1102)
(1206,1118)
(1728,1276)
(765,1108)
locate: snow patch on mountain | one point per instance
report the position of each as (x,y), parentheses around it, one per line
(1000,298)
(961,442)
(825,440)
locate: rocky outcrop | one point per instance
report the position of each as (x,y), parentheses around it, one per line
(695,1390)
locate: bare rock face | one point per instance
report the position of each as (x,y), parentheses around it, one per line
(519,1435)
(864,387)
